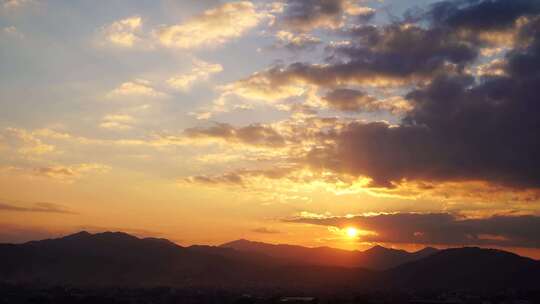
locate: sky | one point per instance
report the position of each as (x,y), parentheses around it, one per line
(416,123)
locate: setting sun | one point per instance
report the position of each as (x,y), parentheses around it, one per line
(351,232)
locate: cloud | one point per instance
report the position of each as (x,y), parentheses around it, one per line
(12,31)
(117,122)
(408,52)
(350,100)
(380,57)
(439,228)
(23,142)
(455,127)
(69,172)
(266,85)
(365,13)
(137,87)
(265,230)
(224,179)
(34,207)
(200,72)
(295,42)
(495,67)
(307,15)
(123,33)
(457,130)
(10,4)
(213,27)
(256,134)
(481,15)
(61,173)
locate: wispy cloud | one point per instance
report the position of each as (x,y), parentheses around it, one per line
(265,230)
(34,207)
(135,88)
(201,71)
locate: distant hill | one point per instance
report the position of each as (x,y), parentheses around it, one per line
(115,258)
(119,259)
(468,267)
(376,258)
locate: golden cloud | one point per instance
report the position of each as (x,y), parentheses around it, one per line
(200,72)
(137,87)
(24,142)
(117,122)
(123,33)
(213,27)
(61,173)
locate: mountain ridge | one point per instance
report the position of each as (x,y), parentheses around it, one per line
(376,258)
(120,259)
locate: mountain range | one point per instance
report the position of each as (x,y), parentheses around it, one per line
(375,258)
(120,259)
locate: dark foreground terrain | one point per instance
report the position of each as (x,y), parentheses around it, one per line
(164,295)
(115,267)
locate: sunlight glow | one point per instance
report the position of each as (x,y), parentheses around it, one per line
(352,232)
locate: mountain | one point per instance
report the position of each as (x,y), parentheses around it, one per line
(376,258)
(120,259)
(468,267)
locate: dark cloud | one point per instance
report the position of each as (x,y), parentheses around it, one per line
(34,207)
(460,129)
(441,229)
(349,100)
(444,39)
(308,14)
(456,131)
(255,134)
(395,54)
(476,15)
(227,179)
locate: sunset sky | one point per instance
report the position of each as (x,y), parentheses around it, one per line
(416,122)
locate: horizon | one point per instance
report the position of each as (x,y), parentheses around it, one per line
(318,123)
(422,247)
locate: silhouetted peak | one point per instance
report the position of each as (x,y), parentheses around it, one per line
(79,235)
(381,249)
(427,250)
(241,243)
(378,247)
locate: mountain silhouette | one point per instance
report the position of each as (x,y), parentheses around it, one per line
(115,258)
(120,259)
(468,267)
(375,258)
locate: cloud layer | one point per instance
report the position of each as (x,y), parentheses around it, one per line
(455,126)
(439,228)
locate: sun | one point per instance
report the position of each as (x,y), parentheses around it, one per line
(351,232)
